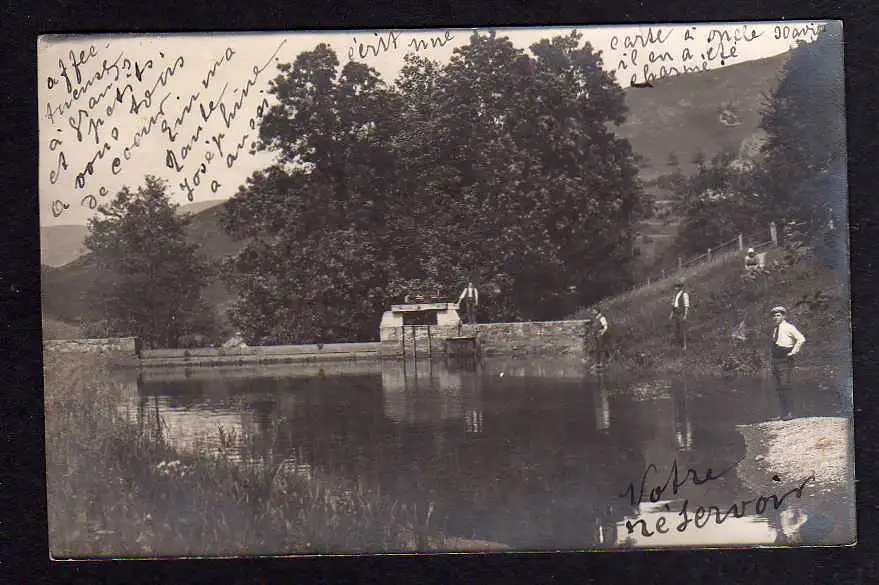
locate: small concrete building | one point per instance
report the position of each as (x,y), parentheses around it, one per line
(418,329)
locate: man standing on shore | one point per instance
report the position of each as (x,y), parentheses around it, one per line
(470,299)
(680,308)
(786,343)
(599,322)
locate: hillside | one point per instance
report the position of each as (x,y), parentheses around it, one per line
(62,244)
(701,112)
(812,286)
(683,115)
(65,288)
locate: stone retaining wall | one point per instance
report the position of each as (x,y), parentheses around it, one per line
(123,345)
(554,338)
(559,338)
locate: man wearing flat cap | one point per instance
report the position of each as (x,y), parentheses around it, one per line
(786,343)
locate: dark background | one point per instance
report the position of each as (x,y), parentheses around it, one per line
(23,543)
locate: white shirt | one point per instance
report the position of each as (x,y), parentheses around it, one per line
(602,322)
(681,299)
(470,293)
(788,337)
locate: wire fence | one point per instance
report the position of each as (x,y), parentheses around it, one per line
(720,253)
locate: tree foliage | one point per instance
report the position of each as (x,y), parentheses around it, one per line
(149,279)
(805,152)
(716,203)
(798,178)
(500,167)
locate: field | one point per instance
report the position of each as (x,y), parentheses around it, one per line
(811,283)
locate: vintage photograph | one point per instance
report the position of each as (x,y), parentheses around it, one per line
(449,290)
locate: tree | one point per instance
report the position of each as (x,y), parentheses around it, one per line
(500,167)
(805,168)
(316,264)
(716,203)
(150,279)
(519,171)
(799,179)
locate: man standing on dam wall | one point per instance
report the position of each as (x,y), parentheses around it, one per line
(469,299)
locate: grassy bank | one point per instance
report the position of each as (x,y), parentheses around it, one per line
(117,489)
(814,291)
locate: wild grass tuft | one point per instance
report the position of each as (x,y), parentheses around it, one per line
(117,488)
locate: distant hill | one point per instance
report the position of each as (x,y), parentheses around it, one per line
(65,288)
(700,112)
(62,244)
(682,115)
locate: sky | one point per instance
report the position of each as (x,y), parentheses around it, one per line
(186,107)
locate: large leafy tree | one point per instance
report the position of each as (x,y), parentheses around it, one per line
(316,263)
(804,171)
(500,167)
(149,278)
(521,180)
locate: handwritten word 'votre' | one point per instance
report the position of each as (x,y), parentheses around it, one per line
(673,481)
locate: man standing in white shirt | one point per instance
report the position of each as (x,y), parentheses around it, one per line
(680,308)
(470,299)
(599,322)
(786,343)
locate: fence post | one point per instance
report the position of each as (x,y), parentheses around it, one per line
(741,243)
(648,281)
(773,233)
(709,254)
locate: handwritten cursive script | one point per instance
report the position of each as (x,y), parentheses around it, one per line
(702,515)
(674,481)
(390,41)
(106,108)
(667,51)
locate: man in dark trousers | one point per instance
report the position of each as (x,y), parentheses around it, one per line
(786,343)
(600,327)
(680,309)
(469,299)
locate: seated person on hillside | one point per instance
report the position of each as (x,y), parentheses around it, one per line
(752,263)
(236,340)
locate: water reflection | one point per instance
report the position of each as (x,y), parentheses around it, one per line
(602,405)
(523,453)
(682,424)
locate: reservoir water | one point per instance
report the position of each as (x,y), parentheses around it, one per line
(531,455)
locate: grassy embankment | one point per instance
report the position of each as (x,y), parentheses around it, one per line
(118,489)
(814,291)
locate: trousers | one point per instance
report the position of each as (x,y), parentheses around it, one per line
(469,310)
(680,327)
(782,370)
